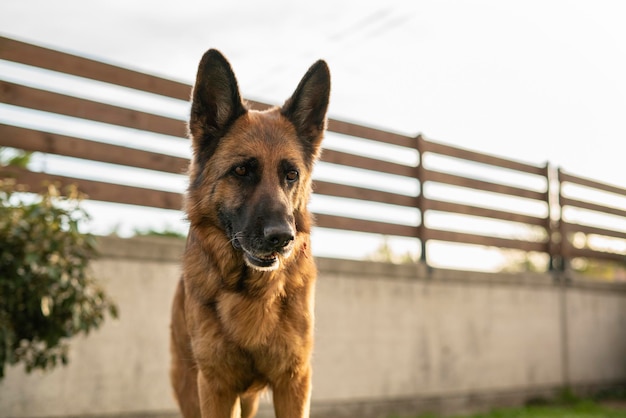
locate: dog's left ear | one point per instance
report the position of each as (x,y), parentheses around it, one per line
(307,107)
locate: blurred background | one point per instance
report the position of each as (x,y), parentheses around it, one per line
(472,171)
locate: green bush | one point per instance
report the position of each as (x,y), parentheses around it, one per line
(47,293)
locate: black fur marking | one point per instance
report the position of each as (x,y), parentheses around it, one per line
(243,276)
(225,223)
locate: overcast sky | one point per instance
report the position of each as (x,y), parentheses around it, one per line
(533,80)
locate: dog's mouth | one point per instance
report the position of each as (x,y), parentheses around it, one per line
(267,262)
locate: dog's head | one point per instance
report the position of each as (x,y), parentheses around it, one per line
(251,171)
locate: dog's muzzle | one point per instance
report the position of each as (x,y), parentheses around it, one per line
(277,243)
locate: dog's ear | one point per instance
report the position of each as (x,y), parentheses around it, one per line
(307,107)
(215,102)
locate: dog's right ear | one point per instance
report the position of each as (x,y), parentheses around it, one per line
(307,107)
(215,102)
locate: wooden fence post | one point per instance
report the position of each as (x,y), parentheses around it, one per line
(562,242)
(552,221)
(420,173)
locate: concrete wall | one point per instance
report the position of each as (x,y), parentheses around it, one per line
(121,367)
(389,338)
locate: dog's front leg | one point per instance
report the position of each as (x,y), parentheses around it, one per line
(292,396)
(216,401)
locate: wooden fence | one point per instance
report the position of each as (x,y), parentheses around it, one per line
(568,229)
(555,236)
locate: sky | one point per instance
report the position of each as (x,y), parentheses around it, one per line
(534,81)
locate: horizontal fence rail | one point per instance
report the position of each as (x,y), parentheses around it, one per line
(550,234)
(569,229)
(427,204)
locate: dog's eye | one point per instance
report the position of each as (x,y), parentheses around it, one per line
(241,170)
(291,176)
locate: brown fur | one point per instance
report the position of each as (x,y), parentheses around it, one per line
(242,316)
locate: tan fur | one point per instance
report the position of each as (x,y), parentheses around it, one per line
(236,329)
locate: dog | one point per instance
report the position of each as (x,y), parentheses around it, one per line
(242,316)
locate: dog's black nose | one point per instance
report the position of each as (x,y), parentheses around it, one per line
(278,236)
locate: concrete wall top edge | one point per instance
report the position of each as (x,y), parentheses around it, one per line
(167,249)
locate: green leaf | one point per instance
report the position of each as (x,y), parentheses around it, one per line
(44,266)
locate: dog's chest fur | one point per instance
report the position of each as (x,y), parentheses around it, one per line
(260,319)
(250,319)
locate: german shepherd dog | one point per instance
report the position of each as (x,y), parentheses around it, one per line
(242,317)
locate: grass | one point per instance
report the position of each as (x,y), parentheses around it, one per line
(579,409)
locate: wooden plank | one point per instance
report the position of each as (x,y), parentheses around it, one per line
(97,190)
(478,157)
(47,101)
(566,201)
(572,252)
(34,140)
(361,225)
(357,161)
(37,56)
(569,228)
(461,237)
(439,205)
(570,178)
(347,128)
(452,179)
(256,105)
(361,193)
